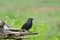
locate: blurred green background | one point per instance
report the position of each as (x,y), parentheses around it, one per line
(46,14)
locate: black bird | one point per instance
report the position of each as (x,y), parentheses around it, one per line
(27,25)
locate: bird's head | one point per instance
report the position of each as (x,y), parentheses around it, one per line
(30,19)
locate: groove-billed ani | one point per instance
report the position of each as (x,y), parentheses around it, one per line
(27,25)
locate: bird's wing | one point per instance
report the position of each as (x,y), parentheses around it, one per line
(24,25)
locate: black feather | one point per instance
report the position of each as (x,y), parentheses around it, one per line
(27,25)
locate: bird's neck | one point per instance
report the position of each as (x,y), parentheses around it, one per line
(29,21)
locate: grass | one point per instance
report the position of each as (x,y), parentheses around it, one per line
(16,12)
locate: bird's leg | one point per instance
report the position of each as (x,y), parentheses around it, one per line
(23,30)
